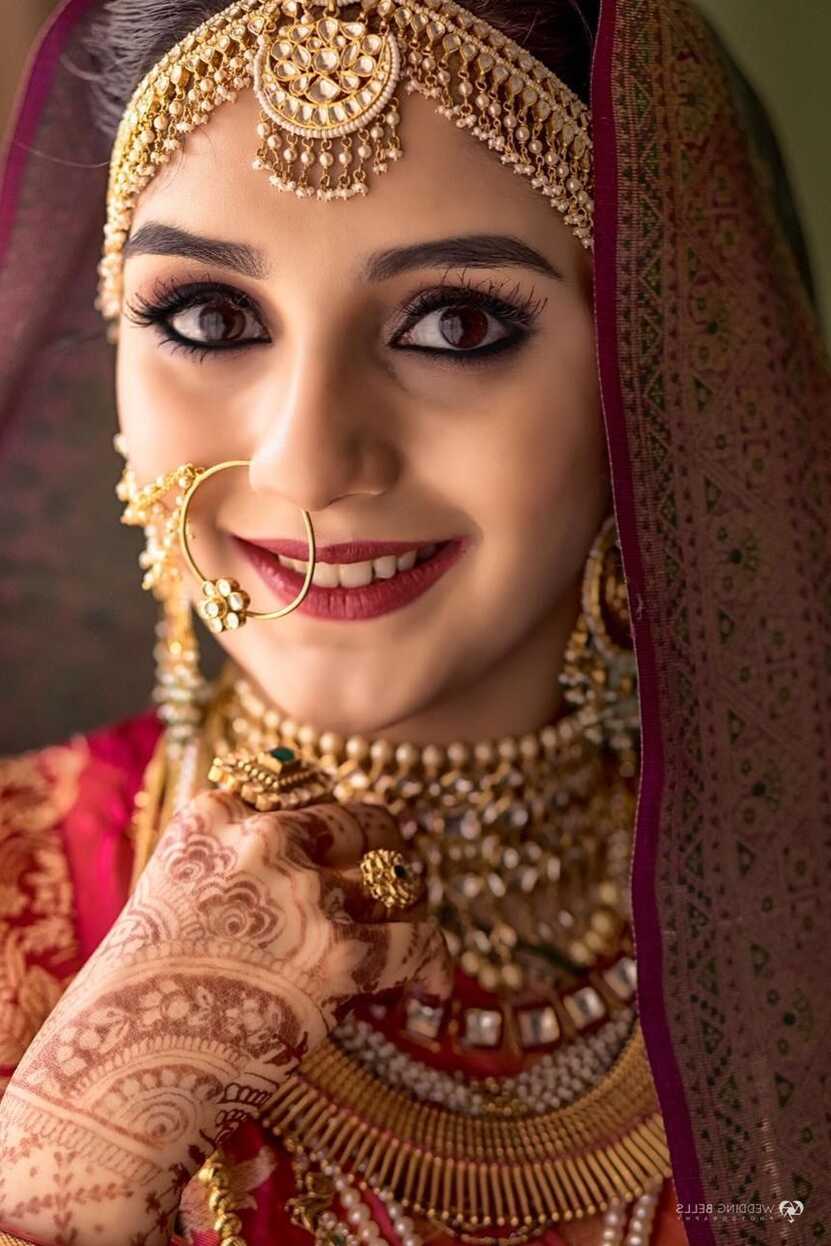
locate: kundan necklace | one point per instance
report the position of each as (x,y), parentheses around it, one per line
(540,821)
(524,842)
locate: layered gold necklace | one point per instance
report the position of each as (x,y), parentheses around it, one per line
(524,841)
(525,846)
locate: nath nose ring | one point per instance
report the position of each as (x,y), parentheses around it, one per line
(225,605)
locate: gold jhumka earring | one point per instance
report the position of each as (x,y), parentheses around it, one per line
(181,692)
(599,671)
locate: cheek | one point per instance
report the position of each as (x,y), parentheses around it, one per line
(149,410)
(545,450)
(169,412)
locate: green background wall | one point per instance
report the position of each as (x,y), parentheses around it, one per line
(784,47)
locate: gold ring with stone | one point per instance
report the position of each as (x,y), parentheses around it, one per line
(388,876)
(278,779)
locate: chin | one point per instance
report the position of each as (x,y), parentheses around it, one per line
(340,692)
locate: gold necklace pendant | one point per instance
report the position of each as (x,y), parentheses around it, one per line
(277,779)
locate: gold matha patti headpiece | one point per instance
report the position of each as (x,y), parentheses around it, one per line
(327,75)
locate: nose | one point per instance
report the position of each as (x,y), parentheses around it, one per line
(321,440)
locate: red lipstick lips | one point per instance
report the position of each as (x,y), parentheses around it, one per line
(368,602)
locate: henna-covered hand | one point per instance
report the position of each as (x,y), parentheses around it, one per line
(244,940)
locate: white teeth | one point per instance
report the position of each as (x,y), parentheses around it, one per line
(355,574)
(386,567)
(325,575)
(359,574)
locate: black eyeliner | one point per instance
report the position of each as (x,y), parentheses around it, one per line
(170,298)
(519,312)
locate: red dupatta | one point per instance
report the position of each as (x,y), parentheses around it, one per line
(716,396)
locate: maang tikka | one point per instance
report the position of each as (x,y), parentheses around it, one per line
(328,76)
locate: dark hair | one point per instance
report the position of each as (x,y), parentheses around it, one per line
(131,35)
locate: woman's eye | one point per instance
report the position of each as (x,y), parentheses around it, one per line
(217,322)
(460,328)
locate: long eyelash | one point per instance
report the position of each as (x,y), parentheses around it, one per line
(169,296)
(510,305)
(166,299)
(528,306)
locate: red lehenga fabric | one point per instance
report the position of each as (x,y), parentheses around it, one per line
(65,864)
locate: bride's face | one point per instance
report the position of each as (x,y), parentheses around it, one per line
(416,368)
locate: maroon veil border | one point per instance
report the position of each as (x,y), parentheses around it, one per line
(647,932)
(716,403)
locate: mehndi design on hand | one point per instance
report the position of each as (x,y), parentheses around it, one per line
(245,939)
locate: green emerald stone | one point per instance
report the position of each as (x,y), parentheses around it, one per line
(282,754)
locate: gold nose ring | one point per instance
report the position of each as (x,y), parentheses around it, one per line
(225,606)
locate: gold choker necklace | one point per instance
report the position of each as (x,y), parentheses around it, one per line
(524,842)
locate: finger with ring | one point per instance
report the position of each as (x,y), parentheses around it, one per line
(388,876)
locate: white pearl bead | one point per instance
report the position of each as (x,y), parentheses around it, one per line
(350,1199)
(358,1215)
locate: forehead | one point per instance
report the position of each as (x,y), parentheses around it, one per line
(446,183)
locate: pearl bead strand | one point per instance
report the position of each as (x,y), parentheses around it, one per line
(639,1230)
(359,1227)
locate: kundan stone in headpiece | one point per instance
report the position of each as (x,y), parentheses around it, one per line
(328,77)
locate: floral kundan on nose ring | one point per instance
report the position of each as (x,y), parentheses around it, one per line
(226,606)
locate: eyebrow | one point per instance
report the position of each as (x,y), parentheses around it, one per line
(155,238)
(465,251)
